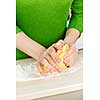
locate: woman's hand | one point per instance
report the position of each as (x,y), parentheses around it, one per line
(70,56)
(29,46)
(70,38)
(50,59)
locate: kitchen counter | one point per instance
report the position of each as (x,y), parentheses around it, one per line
(42,88)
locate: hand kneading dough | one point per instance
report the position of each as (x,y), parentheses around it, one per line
(61,54)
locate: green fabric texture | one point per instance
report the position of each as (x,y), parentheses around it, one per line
(76,20)
(20,55)
(18,29)
(45,20)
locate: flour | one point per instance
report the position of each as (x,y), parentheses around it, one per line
(27,69)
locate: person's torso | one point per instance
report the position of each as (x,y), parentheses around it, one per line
(43,20)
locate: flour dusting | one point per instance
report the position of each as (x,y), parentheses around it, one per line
(27,69)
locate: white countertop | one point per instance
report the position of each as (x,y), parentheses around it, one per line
(50,86)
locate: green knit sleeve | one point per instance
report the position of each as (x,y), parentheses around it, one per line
(76,20)
(18,29)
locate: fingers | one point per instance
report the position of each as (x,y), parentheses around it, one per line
(59,45)
(57,67)
(54,65)
(51,62)
(69,60)
(53,55)
(45,63)
(50,59)
(40,69)
(53,59)
(70,52)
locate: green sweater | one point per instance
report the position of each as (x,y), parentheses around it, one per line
(45,20)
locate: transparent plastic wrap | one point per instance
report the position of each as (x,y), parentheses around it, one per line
(26,70)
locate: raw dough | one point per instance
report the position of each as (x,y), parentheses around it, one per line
(61,54)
